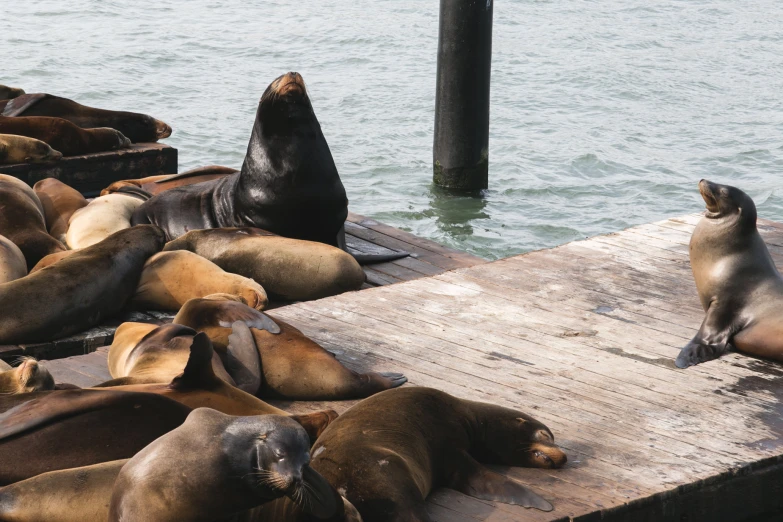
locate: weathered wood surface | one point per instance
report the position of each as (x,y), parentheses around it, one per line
(583,337)
(93,172)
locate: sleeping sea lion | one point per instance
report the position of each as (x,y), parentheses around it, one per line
(21,149)
(288,269)
(29,376)
(137,127)
(22,221)
(170,279)
(157,184)
(739,286)
(292,365)
(59,203)
(215,466)
(7,93)
(47,431)
(78,292)
(12,262)
(387,453)
(51,259)
(64,136)
(102,217)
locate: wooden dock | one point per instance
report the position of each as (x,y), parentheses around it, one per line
(583,337)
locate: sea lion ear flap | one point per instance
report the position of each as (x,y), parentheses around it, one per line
(521,420)
(198,371)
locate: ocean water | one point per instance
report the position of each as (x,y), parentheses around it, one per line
(605,113)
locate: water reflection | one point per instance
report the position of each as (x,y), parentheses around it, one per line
(454,212)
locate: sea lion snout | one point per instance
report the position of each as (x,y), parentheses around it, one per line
(290,83)
(708,190)
(547,456)
(162,129)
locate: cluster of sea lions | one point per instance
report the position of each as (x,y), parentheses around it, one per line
(42,128)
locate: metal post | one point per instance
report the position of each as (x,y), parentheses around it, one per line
(460,151)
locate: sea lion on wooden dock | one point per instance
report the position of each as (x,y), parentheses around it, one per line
(61,429)
(78,292)
(135,126)
(8,93)
(215,466)
(22,221)
(29,376)
(387,464)
(64,136)
(739,286)
(21,149)
(288,269)
(157,184)
(101,218)
(12,262)
(59,203)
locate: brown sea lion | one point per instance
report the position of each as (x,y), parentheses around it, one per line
(59,203)
(52,259)
(47,431)
(292,365)
(739,286)
(102,217)
(21,149)
(22,221)
(387,453)
(170,279)
(157,184)
(78,292)
(64,136)
(12,262)
(7,93)
(29,376)
(137,127)
(215,466)
(288,269)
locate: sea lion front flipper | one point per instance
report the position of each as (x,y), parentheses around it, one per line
(242,360)
(468,476)
(20,104)
(367,259)
(710,342)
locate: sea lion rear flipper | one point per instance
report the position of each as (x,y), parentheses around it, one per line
(710,342)
(20,104)
(367,259)
(468,476)
(242,360)
(198,371)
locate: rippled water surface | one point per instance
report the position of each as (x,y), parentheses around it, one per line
(605,113)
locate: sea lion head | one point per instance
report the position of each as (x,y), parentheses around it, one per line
(285,105)
(41,152)
(28,377)
(726,202)
(113,138)
(162,129)
(8,93)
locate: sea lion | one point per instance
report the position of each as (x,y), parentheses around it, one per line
(137,127)
(28,377)
(51,259)
(387,463)
(12,262)
(170,279)
(157,184)
(739,286)
(78,292)
(21,149)
(59,203)
(288,269)
(64,136)
(7,93)
(22,221)
(51,430)
(292,365)
(102,217)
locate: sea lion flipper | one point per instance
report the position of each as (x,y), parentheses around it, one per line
(252,318)
(198,370)
(710,342)
(242,360)
(20,104)
(468,476)
(320,499)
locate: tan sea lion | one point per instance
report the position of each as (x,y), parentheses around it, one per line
(52,259)
(387,463)
(7,93)
(59,203)
(78,292)
(739,286)
(64,136)
(157,184)
(28,377)
(137,127)
(21,149)
(288,269)
(215,466)
(22,221)
(102,217)
(170,279)
(292,365)
(12,262)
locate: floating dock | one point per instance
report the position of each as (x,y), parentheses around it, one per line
(583,337)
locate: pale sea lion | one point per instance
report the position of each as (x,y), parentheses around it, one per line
(170,279)
(387,453)
(78,292)
(12,262)
(64,136)
(102,217)
(59,203)
(29,376)
(157,184)
(137,127)
(21,149)
(288,269)
(7,93)
(292,365)
(22,221)
(739,286)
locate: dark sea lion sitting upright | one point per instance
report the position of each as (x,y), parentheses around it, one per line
(64,136)
(387,453)
(739,286)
